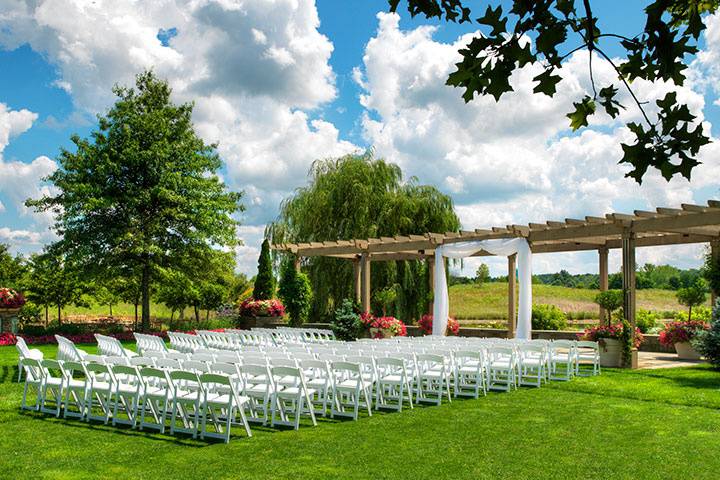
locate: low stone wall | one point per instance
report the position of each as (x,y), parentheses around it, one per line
(651,343)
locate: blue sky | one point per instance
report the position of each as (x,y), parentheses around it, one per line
(348,82)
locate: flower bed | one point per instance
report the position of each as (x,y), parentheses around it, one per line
(681,332)
(10,298)
(383,327)
(426,325)
(261,308)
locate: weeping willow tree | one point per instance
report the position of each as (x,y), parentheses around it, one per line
(359,196)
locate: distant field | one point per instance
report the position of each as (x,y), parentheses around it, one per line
(489,301)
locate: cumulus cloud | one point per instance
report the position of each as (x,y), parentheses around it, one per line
(514,161)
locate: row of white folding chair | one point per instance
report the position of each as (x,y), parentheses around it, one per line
(111,346)
(67,350)
(25,352)
(81,389)
(149,343)
(185,342)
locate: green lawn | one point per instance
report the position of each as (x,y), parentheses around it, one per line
(489,301)
(641,424)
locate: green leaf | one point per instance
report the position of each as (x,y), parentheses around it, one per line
(547,83)
(494,19)
(607,100)
(583,109)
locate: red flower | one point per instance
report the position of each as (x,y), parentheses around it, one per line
(426,325)
(679,332)
(261,308)
(9,298)
(596,334)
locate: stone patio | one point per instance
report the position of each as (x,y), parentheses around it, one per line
(663,360)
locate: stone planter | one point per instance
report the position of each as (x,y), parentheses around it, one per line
(9,319)
(246,323)
(685,351)
(610,353)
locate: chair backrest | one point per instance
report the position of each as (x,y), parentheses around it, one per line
(255,374)
(67,350)
(149,343)
(184,380)
(109,345)
(343,367)
(126,374)
(155,377)
(177,356)
(33,368)
(224,368)
(203,357)
(142,362)
(168,363)
(99,372)
(22,347)
(72,369)
(195,366)
(117,361)
(587,344)
(94,359)
(227,357)
(282,362)
(286,374)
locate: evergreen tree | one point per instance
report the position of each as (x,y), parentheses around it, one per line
(295,292)
(264,281)
(707,342)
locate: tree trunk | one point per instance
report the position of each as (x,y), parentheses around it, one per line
(136,316)
(690,313)
(59,312)
(111,310)
(197,314)
(145,288)
(207,315)
(47,316)
(172,315)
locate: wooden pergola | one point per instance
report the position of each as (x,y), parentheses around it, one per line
(664,226)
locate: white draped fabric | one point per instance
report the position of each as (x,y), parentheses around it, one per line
(503,247)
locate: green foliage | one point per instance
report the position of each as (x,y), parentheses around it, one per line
(626,340)
(141,194)
(296,293)
(264,281)
(482,274)
(707,342)
(692,296)
(386,297)
(346,322)
(645,320)
(610,300)
(358,196)
(699,314)
(12,268)
(548,317)
(711,272)
(669,142)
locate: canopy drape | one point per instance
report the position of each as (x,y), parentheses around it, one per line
(502,247)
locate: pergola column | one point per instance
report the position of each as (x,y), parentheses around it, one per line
(603,260)
(356,280)
(365,282)
(714,258)
(512,313)
(430,262)
(628,271)
(298,260)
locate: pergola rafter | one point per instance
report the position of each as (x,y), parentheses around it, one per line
(664,226)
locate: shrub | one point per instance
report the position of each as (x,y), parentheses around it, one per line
(645,320)
(679,332)
(707,342)
(701,314)
(692,296)
(548,317)
(296,294)
(264,288)
(10,298)
(391,325)
(610,300)
(261,308)
(346,322)
(614,331)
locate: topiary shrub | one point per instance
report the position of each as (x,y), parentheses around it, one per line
(548,317)
(692,296)
(707,342)
(264,288)
(346,323)
(701,314)
(610,300)
(296,293)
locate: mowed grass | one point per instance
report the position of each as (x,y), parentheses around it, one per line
(489,301)
(655,424)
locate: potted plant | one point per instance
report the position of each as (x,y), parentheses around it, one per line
(680,334)
(383,327)
(11,302)
(260,313)
(426,325)
(611,340)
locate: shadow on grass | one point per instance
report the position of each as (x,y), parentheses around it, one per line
(8,374)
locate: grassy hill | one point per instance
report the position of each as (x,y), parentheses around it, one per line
(489,301)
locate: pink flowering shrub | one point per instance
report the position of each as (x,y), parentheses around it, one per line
(597,334)
(10,298)
(7,338)
(391,325)
(10,339)
(426,325)
(261,308)
(679,332)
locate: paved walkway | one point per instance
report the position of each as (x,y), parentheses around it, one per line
(663,360)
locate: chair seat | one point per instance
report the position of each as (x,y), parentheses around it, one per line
(432,374)
(102,387)
(468,370)
(351,385)
(76,384)
(503,363)
(394,379)
(154,392)
(534,362)
(317,382)
(257,390)
(224,399)
(561,357)
(292,392)
(55,381)
(128,388)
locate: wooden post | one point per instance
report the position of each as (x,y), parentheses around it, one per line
(298,260)
(365,282)
(714,258)
(511,296)
(357,281)
(431,279)
(628,271)
(603,254)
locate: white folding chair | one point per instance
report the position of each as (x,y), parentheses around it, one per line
(501,367)
(393,384)
(350,390)
(562,360)
(33,380)
(221,408)
(186,402)
(25,352)
(75,389)
(100,391)
(532,364)
(470,375)
(588,354)
(433,379)
(157,397)
(319,380)
(127,394)
(259,388)
(291,398)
